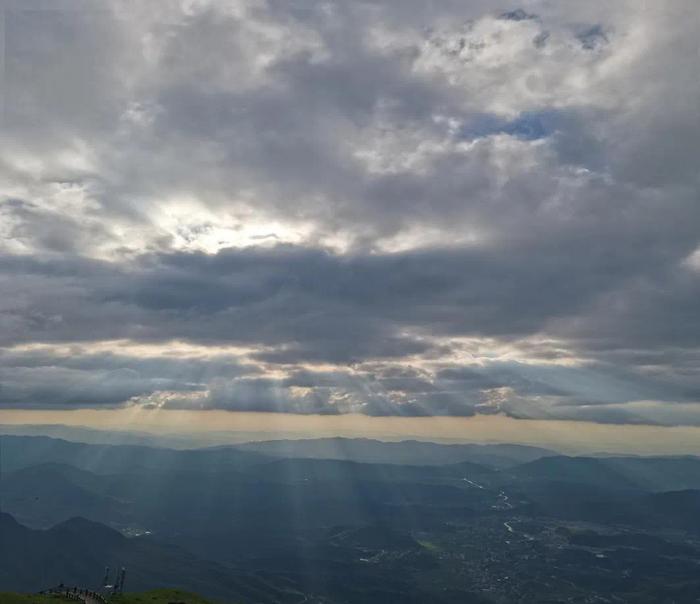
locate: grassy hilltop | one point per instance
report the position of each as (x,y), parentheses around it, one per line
(160,596)
(157,596)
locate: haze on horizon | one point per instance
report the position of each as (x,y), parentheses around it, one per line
(447,220)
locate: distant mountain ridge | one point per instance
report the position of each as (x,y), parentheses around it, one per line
(76,552)
(644,473)
(405,452)
(23,451)
(46,494)
(262,528)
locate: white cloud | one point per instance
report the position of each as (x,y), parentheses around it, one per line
(324,184)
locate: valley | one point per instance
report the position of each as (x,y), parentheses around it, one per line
(251,526)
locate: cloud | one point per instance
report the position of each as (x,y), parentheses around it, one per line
(389,208)
(308,301)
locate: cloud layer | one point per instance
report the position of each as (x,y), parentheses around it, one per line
(385,208)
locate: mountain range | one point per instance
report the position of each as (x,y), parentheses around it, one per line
(248,524)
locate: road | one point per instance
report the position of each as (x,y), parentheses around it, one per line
(474,484)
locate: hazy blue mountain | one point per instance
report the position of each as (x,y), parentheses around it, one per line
(76,552)
(86,435)
(577,470)
(224,521)
(409,452)
(648,473)
(46,494)
(23,451)
(672,473)
(292,495)
(351,471)
(677,508)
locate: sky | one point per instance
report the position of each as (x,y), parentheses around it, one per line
(472,211)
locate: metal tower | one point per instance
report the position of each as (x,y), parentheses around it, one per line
(120,582)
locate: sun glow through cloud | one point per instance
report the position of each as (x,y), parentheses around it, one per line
(380,210)
(350,302)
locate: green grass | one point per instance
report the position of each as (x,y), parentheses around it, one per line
(159,596)
(11,598)
(430,546)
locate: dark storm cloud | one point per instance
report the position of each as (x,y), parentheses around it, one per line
(314,301)
(312,306)
(54,387)
(411,175)
(190,368)
(41,378)
(315,306)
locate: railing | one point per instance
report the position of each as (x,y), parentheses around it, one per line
(76,593)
